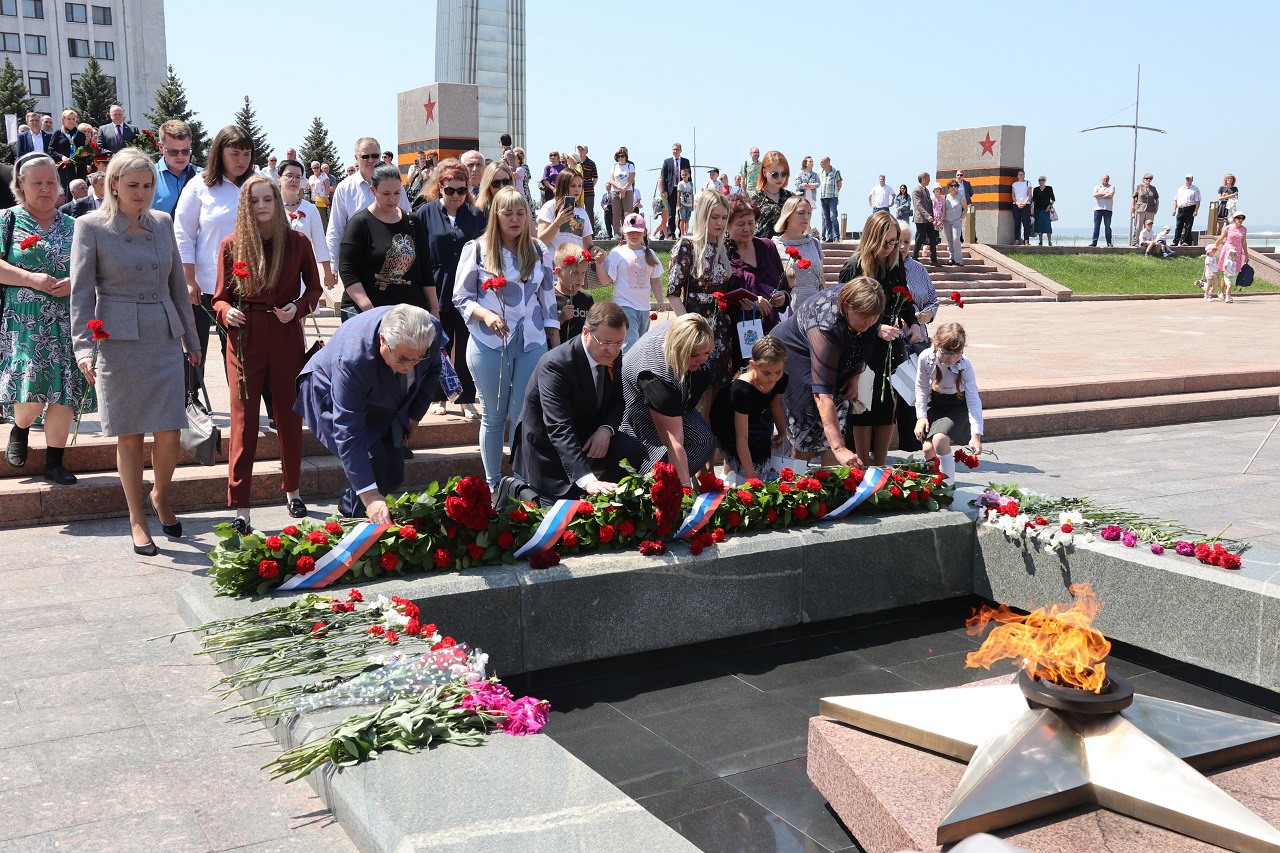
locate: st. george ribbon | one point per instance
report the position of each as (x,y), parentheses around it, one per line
(344,555)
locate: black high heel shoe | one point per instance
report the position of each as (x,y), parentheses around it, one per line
(173,531)
(148,550)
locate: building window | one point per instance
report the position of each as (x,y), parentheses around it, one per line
(78,48)
(9,7)
(114,90)
(104,49)
(33,8)
(10,42)
(102,15)
(39,83)
(77,13)
(37,44)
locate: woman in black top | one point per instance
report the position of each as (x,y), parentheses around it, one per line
(67,140)
(384,259)
(451,222)
(878,258)
(1041,200)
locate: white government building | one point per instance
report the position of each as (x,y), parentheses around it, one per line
(50,41)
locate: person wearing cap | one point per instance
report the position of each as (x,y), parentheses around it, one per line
(1144,204)
(1186,204)
(636,275)
(1234,236)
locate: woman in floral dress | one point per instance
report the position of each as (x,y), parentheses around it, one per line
(700,268)
(38,373)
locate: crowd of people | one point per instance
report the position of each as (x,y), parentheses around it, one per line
(456,286)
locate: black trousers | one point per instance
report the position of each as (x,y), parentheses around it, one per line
(609,468)
(673,207)
(387,458)
(204,323)
(926,234)
(1182,232)
(1022,222)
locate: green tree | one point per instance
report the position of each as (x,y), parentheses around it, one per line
(171,103)
(92,95)
(318,147)
(247,119)
(14,97)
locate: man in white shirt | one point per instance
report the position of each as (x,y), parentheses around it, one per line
(1186,204)
(270,171)
(1103,196)
(355,194)
(880,197)
(1021,210)
(319,184)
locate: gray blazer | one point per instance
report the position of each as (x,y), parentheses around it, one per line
(921,204)
(112,272)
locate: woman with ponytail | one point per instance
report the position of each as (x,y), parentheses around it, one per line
(260,266)
(948,408)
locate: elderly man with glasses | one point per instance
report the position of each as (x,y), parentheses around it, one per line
(1143,206)
(567,443)
(355,194)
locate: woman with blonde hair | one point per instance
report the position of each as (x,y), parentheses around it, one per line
(794,233)
(771,193)
(879,260)
(38,375)
(495,176)
(664,376)
(260,265)
(830,342)
(126,272)
(700,275)
(505,292)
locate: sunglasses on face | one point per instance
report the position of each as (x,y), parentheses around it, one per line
(776,175)
(369,156)
(178,152)
(500,182)
(453,190)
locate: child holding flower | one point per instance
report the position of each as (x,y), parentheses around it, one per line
(948,408)
(636,275)
(572,303)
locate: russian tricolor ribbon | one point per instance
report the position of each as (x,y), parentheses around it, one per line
(344,555)
(704,507)
(553,525)
(873,480)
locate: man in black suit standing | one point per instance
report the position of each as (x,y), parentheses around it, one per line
(670,179)
(80,203)
(35,139)
(116,135)
(567,442)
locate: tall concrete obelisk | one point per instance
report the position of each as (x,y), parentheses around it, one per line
(482,42)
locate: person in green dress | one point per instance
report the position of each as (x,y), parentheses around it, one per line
(38,373)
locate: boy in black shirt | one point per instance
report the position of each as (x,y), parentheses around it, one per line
(572,302)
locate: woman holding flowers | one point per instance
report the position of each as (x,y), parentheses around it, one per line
(756,268)
(800,250)
(878,259)
(38,373)
(126,275)
(260,265)
(71,149)
(505,292)
(700,275)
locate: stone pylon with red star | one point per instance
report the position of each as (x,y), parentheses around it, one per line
(990,158)
(442,118)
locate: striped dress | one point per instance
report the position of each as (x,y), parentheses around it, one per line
(649,385)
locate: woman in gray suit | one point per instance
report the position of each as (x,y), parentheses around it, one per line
(126,272)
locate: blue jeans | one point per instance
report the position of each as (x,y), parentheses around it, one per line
(830,218)
(1099,217)
(637,325)
(501,379)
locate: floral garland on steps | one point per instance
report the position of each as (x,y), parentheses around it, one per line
(454,526)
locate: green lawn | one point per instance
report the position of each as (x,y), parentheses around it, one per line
(1124,273)
(606,291)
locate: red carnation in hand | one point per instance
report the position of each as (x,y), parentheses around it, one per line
(653,315)
(268,569)
(570,260)
(793,252)
(518,516)
(802,511)
(544,559)
(240,269)
(389,562)
(441,558)
(290,531)
(626,528)
(28,242)
(957,298)
(306,565)
(570,538)
(587,256)
(607,532)
(506,540)
(475,551)
(803,264)
(899,290)
(95,326)
(274,543)
(318,537)
(495,283)
(293,216)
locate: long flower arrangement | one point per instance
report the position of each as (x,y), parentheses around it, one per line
(454,526)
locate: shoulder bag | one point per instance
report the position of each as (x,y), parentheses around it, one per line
(201,436)
(9,219)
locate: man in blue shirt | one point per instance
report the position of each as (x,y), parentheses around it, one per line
(173,172)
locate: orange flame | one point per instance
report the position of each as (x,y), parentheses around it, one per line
(1057,645)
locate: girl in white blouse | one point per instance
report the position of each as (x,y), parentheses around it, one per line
(506,294)
(948,408)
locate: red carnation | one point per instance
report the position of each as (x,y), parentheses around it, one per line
(585,508)
(1230,561)
(607,533)
(290,531)
(471,504)
(408,533)
(771,516)
(441,558)
(28,242)
(506,540)
(413,627)
(318,537)
(913,495)
(793,252)
(391,637)
(850,484)
(274,543)
(955,296)
(895,491)
(306,565)
(355,595)
(570,538)
(784,488)
(319,629)
(377,630)
(803,264)
(570,260)
(342,607)
(786,475)
(653,548)
(626,528)
(333,527)
(429,629)
(755,483)
(240,269)
(802,511)
(653,315)
(926,494)
(822,509)
(1067,528)
(695,547)
(518,516)
(735,519)
(475,551)
(746,497)
(899,290)
(587,256)
(293,216)
(821,474)
(718,535)
(268,569)
(446,643)
(544,559)
(495,283)
(389,562)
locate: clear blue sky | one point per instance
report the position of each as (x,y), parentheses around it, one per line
(868,84)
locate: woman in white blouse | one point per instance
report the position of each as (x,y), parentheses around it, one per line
(622,181)
(506,294)
(305,217)
(205,215)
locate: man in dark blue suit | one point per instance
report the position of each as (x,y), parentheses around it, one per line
(670,180)
(364,392)
(567,442)
(28,139)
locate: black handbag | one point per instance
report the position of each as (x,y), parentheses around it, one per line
(318,344)
(201,436)
(9,219)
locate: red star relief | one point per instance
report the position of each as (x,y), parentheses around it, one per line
(988,145)
(430,107)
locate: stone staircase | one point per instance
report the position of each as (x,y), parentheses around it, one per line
(978,281)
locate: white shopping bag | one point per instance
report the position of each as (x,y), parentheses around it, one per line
(904,379)
(777,463)
(866,391)
(749,331)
